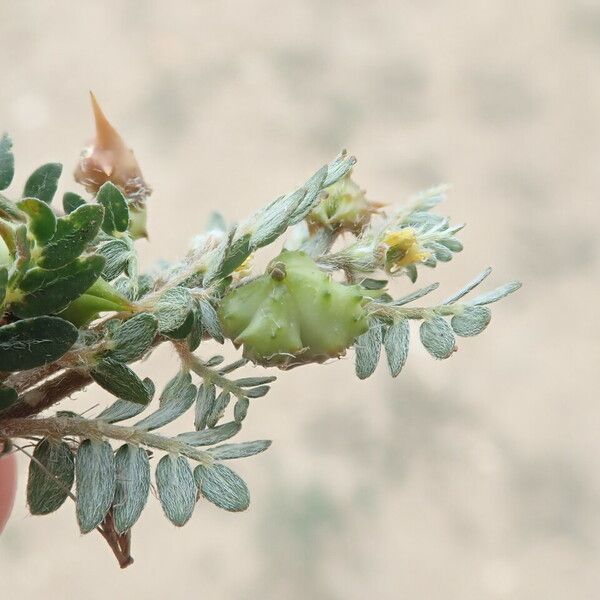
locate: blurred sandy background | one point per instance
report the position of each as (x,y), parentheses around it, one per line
(474,478)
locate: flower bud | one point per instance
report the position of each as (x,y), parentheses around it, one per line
(108,158)
(344,208)
(293,314)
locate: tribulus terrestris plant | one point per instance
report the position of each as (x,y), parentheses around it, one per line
(76,310)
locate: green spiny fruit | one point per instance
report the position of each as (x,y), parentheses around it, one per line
(293,314)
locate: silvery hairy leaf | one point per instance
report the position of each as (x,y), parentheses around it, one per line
(396,342)
(338,168)
(173,308)
(132,487)
(442,253)
(252,381)
(242,450)
(240,410)
(223,487)
(368,349)
(169,410)
(218,408)
(176,488)
(467,288)
(437,337)
(471,320)
(134,337)
(207,437)
(275,218)
(121,409)
(313,187)
(496,294)
(204,403)
(95,483)
(210,321)
(416,295)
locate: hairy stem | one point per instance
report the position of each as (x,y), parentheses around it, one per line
(193,363)
(38,399)
(408,312)
(60,427)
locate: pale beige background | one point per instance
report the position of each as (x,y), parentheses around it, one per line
(474,478)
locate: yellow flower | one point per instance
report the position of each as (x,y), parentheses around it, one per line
(403,249)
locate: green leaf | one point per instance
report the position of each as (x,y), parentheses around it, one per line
(116,212)
(117,254)
(237,253)
(3,284)
(210,436)
(412,272)
(96,482)
(31,343)
(437,337)
(42,222)
(51,475)
(86,308)
(368,349)
(133,484)
(471,320)
(42,183)
(172,309)
(204,402)
(8,396)
(7,161)
(223,487)
(44,291)
(124,409)
(102,289)
(195,335)
(9,210)
(396,342)
(374,284)
(120,381)
(73,234)
(134,337)
(183,330)
(72,201)
(243,450)
(171,407)
(176,488)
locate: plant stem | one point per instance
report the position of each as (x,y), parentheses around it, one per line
(60,427)
(38,399)
(192,362)
(411,312)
